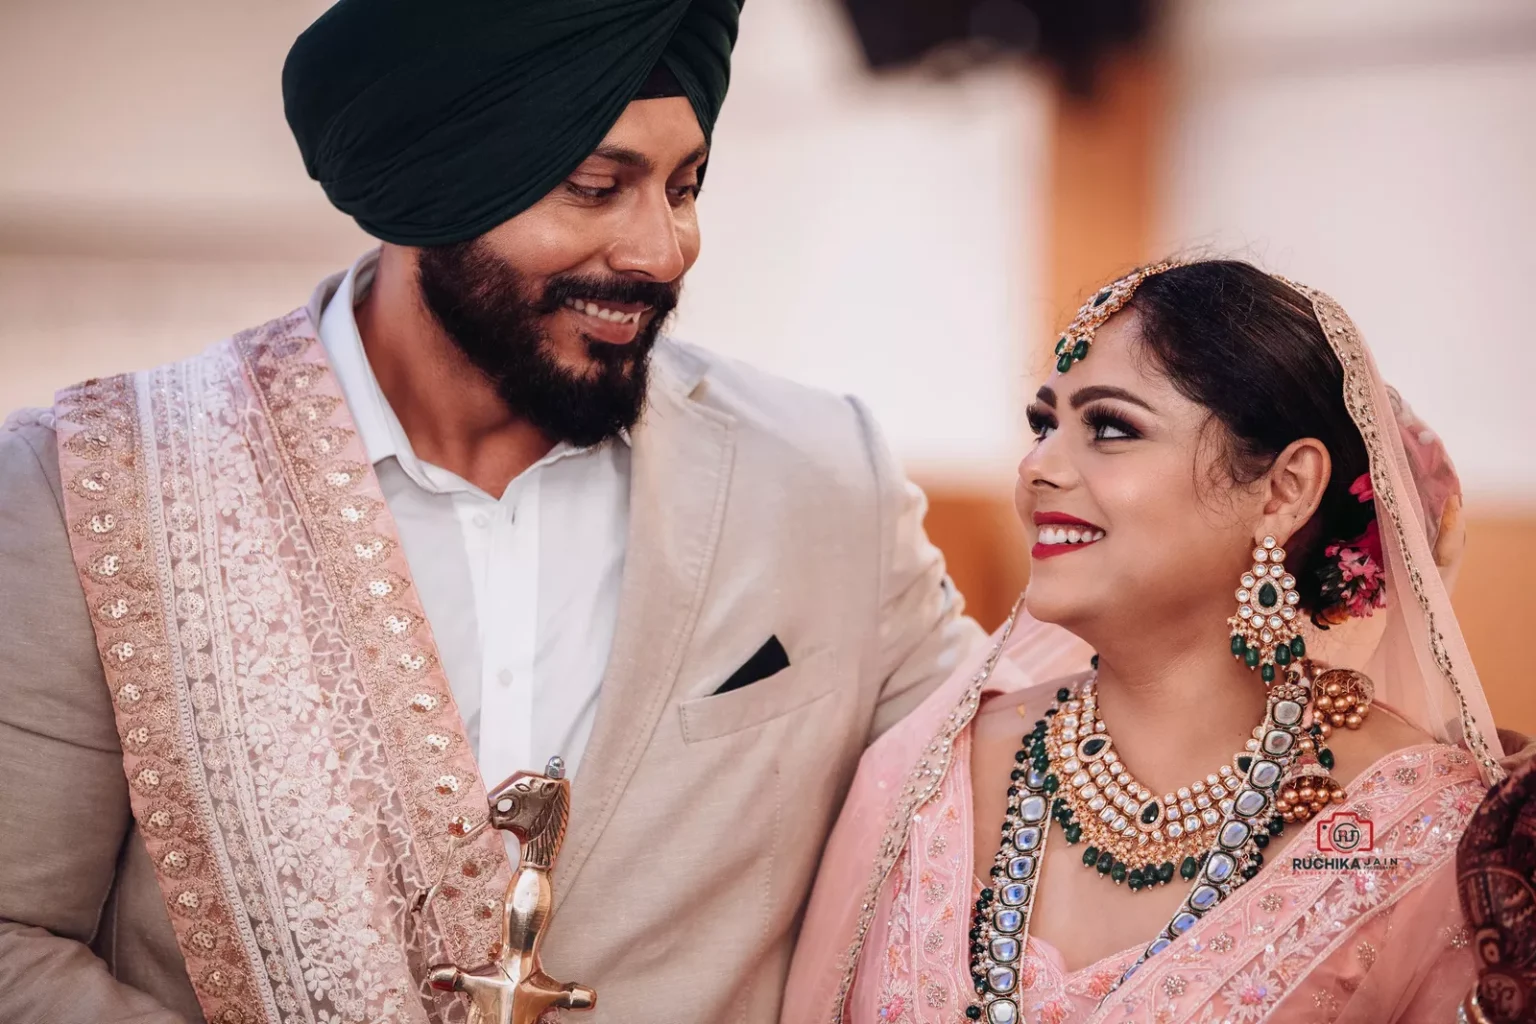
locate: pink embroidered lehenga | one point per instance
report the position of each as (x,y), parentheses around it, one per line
(885,940)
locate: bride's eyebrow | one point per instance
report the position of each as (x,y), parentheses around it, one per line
(1046,396)
(1094,392)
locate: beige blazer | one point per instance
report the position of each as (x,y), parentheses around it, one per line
(759,508)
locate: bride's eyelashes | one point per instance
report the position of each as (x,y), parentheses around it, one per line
(1042,420)
(1105,424)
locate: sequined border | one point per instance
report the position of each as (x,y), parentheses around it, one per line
(105,505)
(922,783)
(342,506)
(1359,397)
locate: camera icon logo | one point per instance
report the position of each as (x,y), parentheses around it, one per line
(1345,832)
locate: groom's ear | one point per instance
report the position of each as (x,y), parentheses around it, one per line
(770,659)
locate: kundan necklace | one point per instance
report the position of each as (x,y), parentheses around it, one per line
(1132,836)
(1138,834)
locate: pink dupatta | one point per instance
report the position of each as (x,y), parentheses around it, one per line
(884,939)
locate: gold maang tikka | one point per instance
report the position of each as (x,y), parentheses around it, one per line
(1075,341)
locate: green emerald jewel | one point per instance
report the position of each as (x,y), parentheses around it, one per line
(1101,298)
(1090,856)
(1283,654)
(1268,595)
(1061,344)
(1189,868)
(1150,812)
(1299,647)
(1239,645)
(1325,758)
(1080,350)
(1117,872)
(1251,658)
(1064,363)
(1093,746)
(1267,673)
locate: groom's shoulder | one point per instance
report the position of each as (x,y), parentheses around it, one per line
(822,427)
(28,449)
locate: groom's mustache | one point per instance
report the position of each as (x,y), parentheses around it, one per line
(661,297)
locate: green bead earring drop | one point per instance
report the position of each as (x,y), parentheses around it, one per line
(1265,630)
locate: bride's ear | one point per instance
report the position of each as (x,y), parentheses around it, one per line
(1294,487)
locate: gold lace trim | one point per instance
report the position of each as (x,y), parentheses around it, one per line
(106,503)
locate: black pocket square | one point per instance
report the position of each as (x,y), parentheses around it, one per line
(770,658)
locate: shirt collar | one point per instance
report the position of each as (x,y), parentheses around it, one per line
(378,427)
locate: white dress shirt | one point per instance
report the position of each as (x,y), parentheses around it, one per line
(522,592)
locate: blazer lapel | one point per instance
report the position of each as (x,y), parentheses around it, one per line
(681,469)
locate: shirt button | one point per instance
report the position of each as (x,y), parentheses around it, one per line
(504,677)
(481,520)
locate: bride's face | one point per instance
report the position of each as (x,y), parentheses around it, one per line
(1131,512)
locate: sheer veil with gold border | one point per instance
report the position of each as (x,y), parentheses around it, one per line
(1413,648)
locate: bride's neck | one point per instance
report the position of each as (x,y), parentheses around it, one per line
(1178,707)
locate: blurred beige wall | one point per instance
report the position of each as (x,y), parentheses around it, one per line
(1385,152)
(151,198)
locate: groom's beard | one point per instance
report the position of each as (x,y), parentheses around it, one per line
(481,303)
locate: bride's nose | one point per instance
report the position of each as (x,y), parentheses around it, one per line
(1045,468)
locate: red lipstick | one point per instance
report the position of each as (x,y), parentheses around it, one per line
(1055,530)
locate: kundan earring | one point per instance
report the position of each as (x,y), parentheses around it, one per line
(1264,630)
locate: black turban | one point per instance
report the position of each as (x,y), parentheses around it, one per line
(433,121)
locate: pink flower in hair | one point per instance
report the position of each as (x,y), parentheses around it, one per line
(1362,488)
(1369,542)
(1361,576)
(1369,596)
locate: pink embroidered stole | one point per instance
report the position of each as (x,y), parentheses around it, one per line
(295,759)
